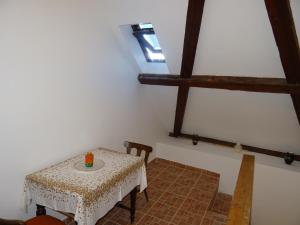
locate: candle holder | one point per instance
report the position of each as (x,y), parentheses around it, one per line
(89,159)
(195,139)
(289,157)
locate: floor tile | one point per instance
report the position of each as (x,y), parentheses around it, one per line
(222,204)
(212,218)
(186,180)
(178,165)
(204,185)
(201,195)
(159,184)
(179,189)
(154,194)
(194,206)
(172,199)
(174,169)
(169,176)
(122,217)
(162,211)
(109,223)
(150,220)
(151,178)
(144,206)
(159,163)
(210,179)
(153,171)
(183,217)
(210,173)
(195,174)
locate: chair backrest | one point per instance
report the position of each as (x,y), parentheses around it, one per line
(139,148)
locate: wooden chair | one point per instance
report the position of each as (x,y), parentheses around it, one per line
(139,148)
(39,220)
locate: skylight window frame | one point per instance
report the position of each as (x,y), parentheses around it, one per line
(139,33)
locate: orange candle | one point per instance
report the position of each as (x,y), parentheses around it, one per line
(89,159)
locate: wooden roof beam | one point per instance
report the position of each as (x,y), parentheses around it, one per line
(192,30)
(252,84)
(281,18)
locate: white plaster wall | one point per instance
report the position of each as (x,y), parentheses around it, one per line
(276,185)
(262,120)
(66,85)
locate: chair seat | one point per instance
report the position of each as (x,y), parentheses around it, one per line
(44,220)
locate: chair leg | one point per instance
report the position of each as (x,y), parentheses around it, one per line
(133,194)
(146,195)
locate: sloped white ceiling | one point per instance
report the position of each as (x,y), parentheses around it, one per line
(167,16)
(235,39)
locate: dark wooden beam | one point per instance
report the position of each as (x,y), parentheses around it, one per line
(281,18)
(161,79)
(192,30)
(263,151)
(232,144)
(267,151)
(253,84)
(182,96)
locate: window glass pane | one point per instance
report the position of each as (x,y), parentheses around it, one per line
(155,56)
(152,40)
(148,41)
(146,25)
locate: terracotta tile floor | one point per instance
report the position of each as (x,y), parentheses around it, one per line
(222,204)
(178,195)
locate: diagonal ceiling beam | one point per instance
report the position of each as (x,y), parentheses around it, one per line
(281,18)
(192,30)
(253,84)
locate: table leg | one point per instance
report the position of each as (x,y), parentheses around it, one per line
(133,194)
(40,210)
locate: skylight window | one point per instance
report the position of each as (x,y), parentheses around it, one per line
(147,39)
(155,56)
(146,26)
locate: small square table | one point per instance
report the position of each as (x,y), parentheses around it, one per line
(87,195)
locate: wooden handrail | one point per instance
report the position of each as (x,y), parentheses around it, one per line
(241,206)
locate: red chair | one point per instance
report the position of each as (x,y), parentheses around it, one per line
(39,220)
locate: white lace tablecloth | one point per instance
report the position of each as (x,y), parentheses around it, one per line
(88,195)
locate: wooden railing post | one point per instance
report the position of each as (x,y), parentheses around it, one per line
(241,206)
